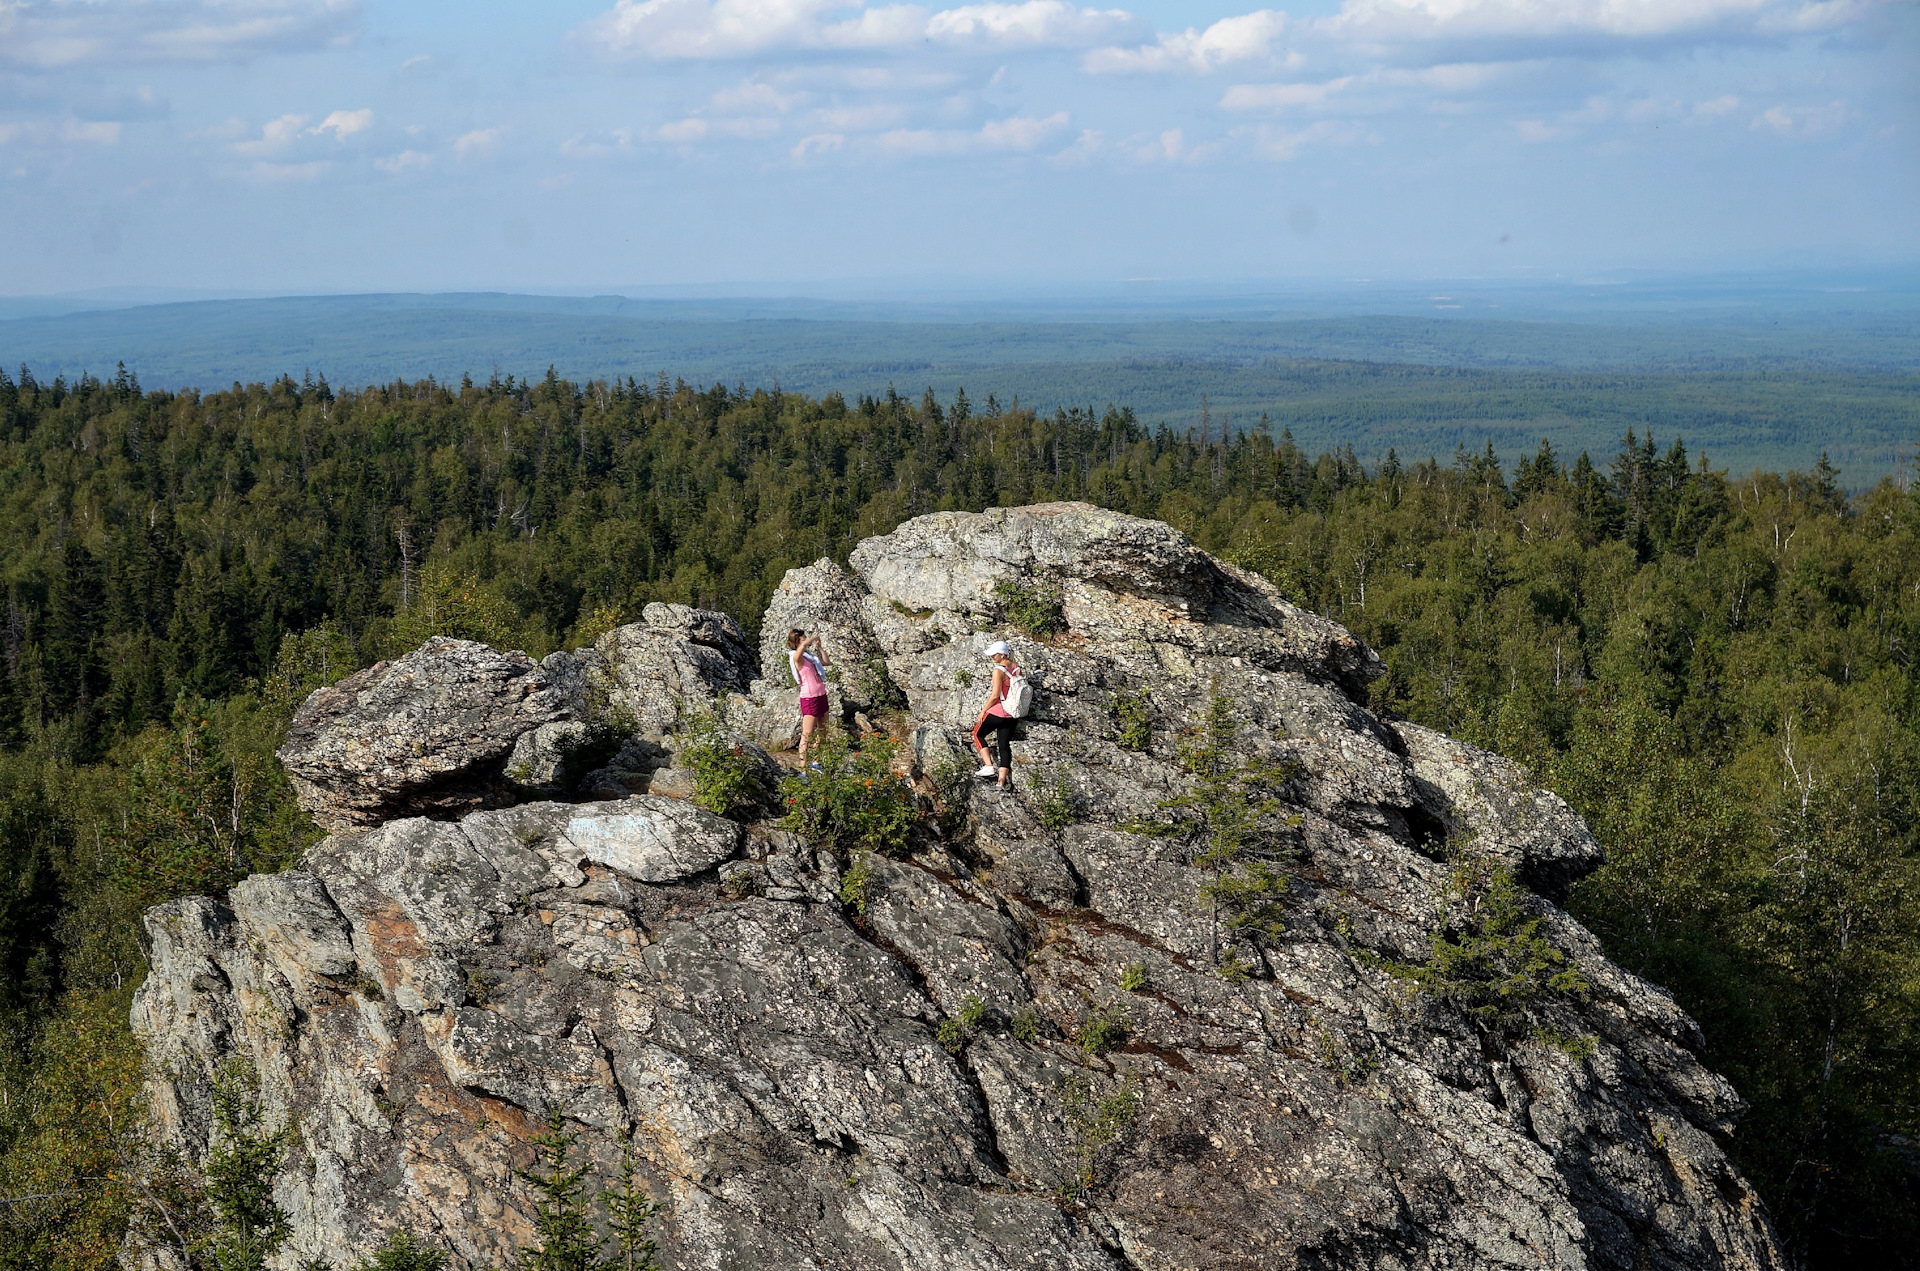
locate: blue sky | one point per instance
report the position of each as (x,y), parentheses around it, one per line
(327,145)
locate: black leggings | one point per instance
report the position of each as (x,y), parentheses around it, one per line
(997,735)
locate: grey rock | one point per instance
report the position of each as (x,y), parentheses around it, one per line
(421,989)
(426,733)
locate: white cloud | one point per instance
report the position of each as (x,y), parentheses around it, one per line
(1563,22)
(718,29)
(1239,39)
(1283,144)
(756,97)
(1035,24)
(580,146)
(280,173)
(1535,130)
(56,33)
(405,161)
(343,124)
(1803,121)
(1020,132)
(90,132)
(1276,97)
(819,143)
(1717,107)
(275,136)
(480,141)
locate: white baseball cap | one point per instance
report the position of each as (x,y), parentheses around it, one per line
(999,647)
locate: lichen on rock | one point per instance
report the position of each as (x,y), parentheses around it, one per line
(1036,1040)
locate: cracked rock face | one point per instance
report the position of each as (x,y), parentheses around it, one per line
(421,989)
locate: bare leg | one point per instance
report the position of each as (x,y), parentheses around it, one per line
(1006,778)
(806,735)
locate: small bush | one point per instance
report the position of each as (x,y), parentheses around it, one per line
(875,683)
(1095,1122)
(962,677)
(953,794)
(1027,1026)
(1035,607)
(1489,957)
(1053,801)
(854,884)
(952,1036)
(1340,1058)
(853,801)
(1102,1029)
(1134,977)
(404,1252)
(727,777)
(1132,720)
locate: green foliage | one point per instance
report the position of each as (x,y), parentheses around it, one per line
(1133,977)
(873,682)
(854,801)
(1488,956)
(562,1223)
(1233,824)
(1341,1058)
(201,807)
(953,794)
(309,660)
(855,883)
(565,1235)
(250,1226)
(631,1210)
(1101,1029)
(1132,715)
(404,1252)
(728,779)
(454,602)
(1096,1122)
(1033,606)
(962,677)
(595,621)
(1027,1026)
(1053,800)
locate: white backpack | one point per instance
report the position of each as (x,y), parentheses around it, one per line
(1019,696)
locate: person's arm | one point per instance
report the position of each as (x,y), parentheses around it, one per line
(993,695)
(821,649)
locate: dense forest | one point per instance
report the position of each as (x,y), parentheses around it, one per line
(1716,669)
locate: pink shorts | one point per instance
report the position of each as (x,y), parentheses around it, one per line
(814,706)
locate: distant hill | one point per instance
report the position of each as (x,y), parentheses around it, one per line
(1837,376)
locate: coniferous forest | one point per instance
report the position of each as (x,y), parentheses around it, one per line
(1717,669)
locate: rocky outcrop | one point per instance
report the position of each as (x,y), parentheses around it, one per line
(426,733)
(1019,1046)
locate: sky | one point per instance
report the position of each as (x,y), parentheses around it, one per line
(282,146)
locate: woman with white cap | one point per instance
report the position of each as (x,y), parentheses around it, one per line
(994,722)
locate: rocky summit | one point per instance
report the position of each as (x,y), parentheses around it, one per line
(1238,974)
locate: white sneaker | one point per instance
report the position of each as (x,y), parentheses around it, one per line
(986,770)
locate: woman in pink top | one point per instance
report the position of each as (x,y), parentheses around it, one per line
(808,662)
(994,722)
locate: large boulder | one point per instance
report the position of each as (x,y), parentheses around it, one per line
(1037,1040)
(425,734)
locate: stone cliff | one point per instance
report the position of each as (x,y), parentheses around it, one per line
(1125,1079)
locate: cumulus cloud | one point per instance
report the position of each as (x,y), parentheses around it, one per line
(1427,21)
(1411,30)
(49,34)
(1035,24)
(480,141)
(1801,122)
(343,123)
(720,29)
(405,161)
(1277,97)
(275,136)
(1244,38)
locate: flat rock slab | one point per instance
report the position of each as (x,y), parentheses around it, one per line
(650,838)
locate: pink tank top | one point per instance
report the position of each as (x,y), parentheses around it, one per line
(808,670)
(998,708)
